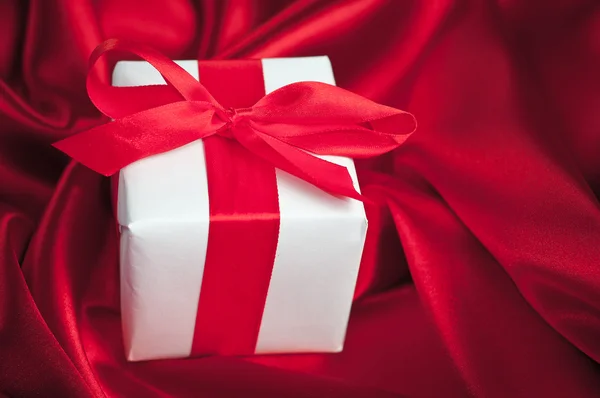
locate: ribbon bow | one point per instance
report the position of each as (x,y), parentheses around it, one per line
(286,127)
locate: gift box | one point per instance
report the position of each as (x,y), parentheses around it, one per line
(164,213)
(240,232)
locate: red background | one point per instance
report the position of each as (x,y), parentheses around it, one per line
(481,273)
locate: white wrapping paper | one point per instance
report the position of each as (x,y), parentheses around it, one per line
(163,212)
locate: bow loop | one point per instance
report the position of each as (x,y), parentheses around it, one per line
(283,128)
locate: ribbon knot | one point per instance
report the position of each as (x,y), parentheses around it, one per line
(285,128)
(229,117)
(231,114)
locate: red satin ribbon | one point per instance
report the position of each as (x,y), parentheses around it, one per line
(280,130)
(244,223)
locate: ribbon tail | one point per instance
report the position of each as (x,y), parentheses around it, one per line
(330,177)
(108,148)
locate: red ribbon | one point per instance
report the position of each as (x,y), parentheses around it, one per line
(243,146)
(280,128)
(244,223)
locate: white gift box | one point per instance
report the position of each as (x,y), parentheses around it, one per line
(163,213)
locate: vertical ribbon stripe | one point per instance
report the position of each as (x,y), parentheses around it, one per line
(244,223)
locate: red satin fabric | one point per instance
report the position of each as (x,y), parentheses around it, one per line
(480,276)
(244,223)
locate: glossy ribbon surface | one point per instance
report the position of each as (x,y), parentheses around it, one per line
(279,128)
